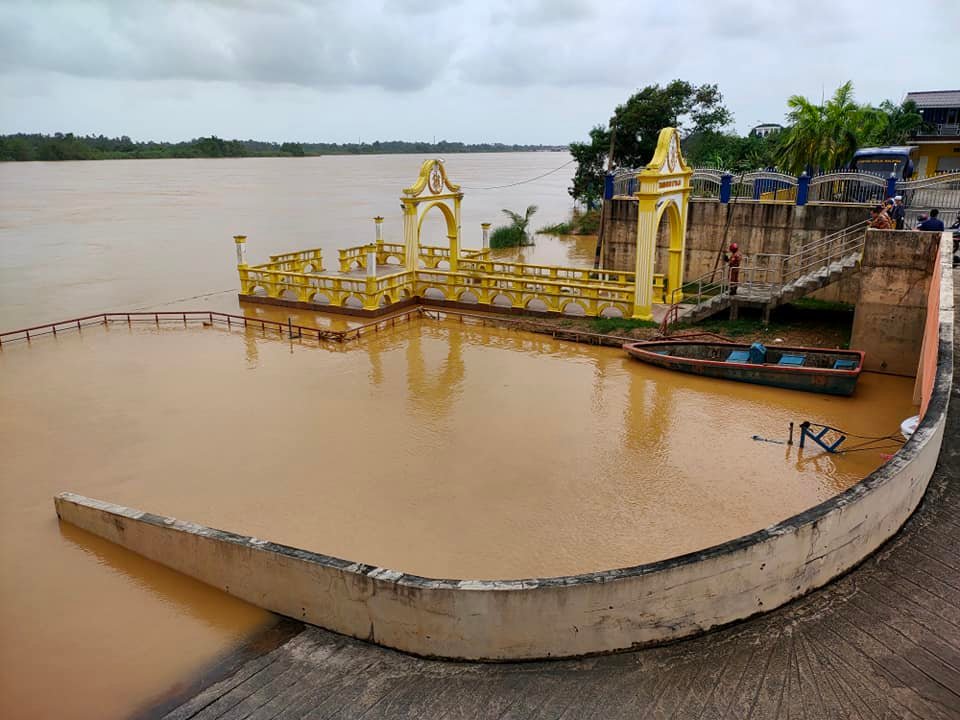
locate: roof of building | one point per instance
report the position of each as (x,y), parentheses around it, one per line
(935,98)
(766,125)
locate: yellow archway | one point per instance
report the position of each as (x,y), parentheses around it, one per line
(431,189)
(663,186)
(452,226)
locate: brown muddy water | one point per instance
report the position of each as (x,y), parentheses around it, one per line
(440,449)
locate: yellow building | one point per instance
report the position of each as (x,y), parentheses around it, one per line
(939,139)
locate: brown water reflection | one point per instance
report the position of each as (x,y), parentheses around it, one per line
(439,449)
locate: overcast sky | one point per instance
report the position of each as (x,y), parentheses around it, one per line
(515,71)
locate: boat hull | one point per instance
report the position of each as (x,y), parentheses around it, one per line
(808,379)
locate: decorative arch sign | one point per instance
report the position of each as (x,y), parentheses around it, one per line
(663,186)
(431,189)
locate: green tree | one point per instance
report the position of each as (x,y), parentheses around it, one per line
(897,123)
(824,137)
(294,149)
(590,157)
(636,125)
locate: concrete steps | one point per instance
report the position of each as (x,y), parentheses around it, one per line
(794,290)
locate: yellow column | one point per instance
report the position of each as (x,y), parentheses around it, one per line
(455,240)
(646,247)
(410,240)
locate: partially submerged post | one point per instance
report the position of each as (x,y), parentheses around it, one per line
(241,241)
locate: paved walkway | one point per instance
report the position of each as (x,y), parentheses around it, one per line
(882,642)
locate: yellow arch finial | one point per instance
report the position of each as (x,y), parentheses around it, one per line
(668,158)
(433,175)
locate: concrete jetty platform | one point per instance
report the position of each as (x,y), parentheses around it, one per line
(881,642)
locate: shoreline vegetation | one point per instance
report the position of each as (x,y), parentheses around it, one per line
(581,223)
(24,147)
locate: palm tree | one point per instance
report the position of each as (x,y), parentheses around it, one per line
(898,122)
(521,222)
(824,137)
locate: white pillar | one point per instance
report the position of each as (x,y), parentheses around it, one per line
(241,241)
(485,228)
(372,264)
(378,224)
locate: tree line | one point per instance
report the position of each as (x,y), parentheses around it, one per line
(816,136)
(67,146)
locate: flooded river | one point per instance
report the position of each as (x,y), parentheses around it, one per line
(436,448)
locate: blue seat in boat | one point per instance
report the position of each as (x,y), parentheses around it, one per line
(739,356)
(845,365)
(796,360)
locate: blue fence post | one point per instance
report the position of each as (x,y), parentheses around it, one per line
(803,188)
(608,186)
(726,187)
(891,185)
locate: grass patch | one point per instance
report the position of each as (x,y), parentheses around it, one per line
(608,325)
(587,223)
(730,328)
(563,228)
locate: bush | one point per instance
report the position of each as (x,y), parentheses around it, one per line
(508,236)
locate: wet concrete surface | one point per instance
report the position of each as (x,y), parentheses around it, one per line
(881,642)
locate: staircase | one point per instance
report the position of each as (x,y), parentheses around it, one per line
(768,280)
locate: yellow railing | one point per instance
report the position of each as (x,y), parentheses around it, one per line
(356,257)
(479,280)
(297,261)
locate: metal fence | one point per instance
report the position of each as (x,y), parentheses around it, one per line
(940,191)
(919,196)
(848,187)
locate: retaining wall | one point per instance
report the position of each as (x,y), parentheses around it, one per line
(553,617)
(891,307)
(758,227)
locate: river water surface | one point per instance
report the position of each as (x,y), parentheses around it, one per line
(438,448)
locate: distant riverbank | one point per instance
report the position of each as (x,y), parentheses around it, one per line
(25,147)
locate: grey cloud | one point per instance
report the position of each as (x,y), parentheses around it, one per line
(309,44)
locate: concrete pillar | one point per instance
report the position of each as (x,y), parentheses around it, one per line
(803,189)
(485,229)
(726,186)
(378,225)
(241,241)
(895,274)
(372,264)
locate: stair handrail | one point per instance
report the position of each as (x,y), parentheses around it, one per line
(823,252)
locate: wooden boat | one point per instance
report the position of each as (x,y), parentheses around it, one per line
(834,372)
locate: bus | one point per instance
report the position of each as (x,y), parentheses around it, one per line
(898,160)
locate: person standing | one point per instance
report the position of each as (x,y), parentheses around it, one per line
(734,259)
(899,213)
(879,220)
(933,222)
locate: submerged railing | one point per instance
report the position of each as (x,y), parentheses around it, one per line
(293,331)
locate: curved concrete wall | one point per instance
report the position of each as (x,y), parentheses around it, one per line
(538,618)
